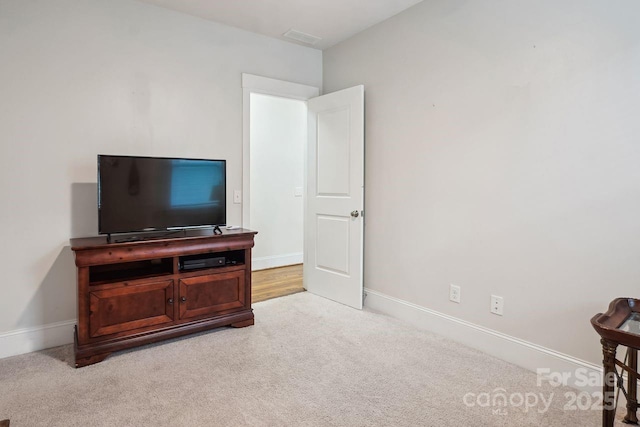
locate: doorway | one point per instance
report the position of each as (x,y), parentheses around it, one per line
(333,188)
(275,137)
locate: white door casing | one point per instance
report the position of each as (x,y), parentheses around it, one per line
(334,227)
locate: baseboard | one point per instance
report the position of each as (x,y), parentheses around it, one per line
(26,340)
(263,263)
(514,350)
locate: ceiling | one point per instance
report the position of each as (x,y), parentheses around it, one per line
(332,20)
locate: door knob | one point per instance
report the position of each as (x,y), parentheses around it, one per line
(355,214)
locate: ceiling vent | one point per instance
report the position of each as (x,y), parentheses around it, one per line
(301,37)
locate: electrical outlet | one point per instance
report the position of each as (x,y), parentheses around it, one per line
(454,293)
(497,305)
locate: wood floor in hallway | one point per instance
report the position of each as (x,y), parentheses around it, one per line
(276,282)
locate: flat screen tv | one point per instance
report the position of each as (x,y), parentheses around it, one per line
(156,193)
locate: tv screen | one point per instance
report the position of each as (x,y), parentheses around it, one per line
(154,193)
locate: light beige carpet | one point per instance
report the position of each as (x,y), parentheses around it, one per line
(306,362)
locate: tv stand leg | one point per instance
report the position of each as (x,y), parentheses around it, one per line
(242,324)
(90,360)
(86,360)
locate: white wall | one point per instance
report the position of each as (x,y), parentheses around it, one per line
(82,77)
(278,129)
(502,155)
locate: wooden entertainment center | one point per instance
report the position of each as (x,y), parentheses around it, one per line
(132,293)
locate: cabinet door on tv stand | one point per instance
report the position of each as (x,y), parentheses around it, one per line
(211,294)
(130,307)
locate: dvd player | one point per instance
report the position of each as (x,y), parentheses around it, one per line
(192,264)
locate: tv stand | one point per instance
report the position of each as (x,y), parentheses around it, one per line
(134,293)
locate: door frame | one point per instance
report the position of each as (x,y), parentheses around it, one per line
(266,86)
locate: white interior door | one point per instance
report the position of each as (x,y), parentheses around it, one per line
(335,197)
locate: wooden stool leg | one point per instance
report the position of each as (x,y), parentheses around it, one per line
(608,382)
(632,400)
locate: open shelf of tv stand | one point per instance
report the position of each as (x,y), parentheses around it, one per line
(135,293)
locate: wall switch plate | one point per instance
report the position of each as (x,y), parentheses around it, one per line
(297,192)
(237,196)
(497,305)
(454,293)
